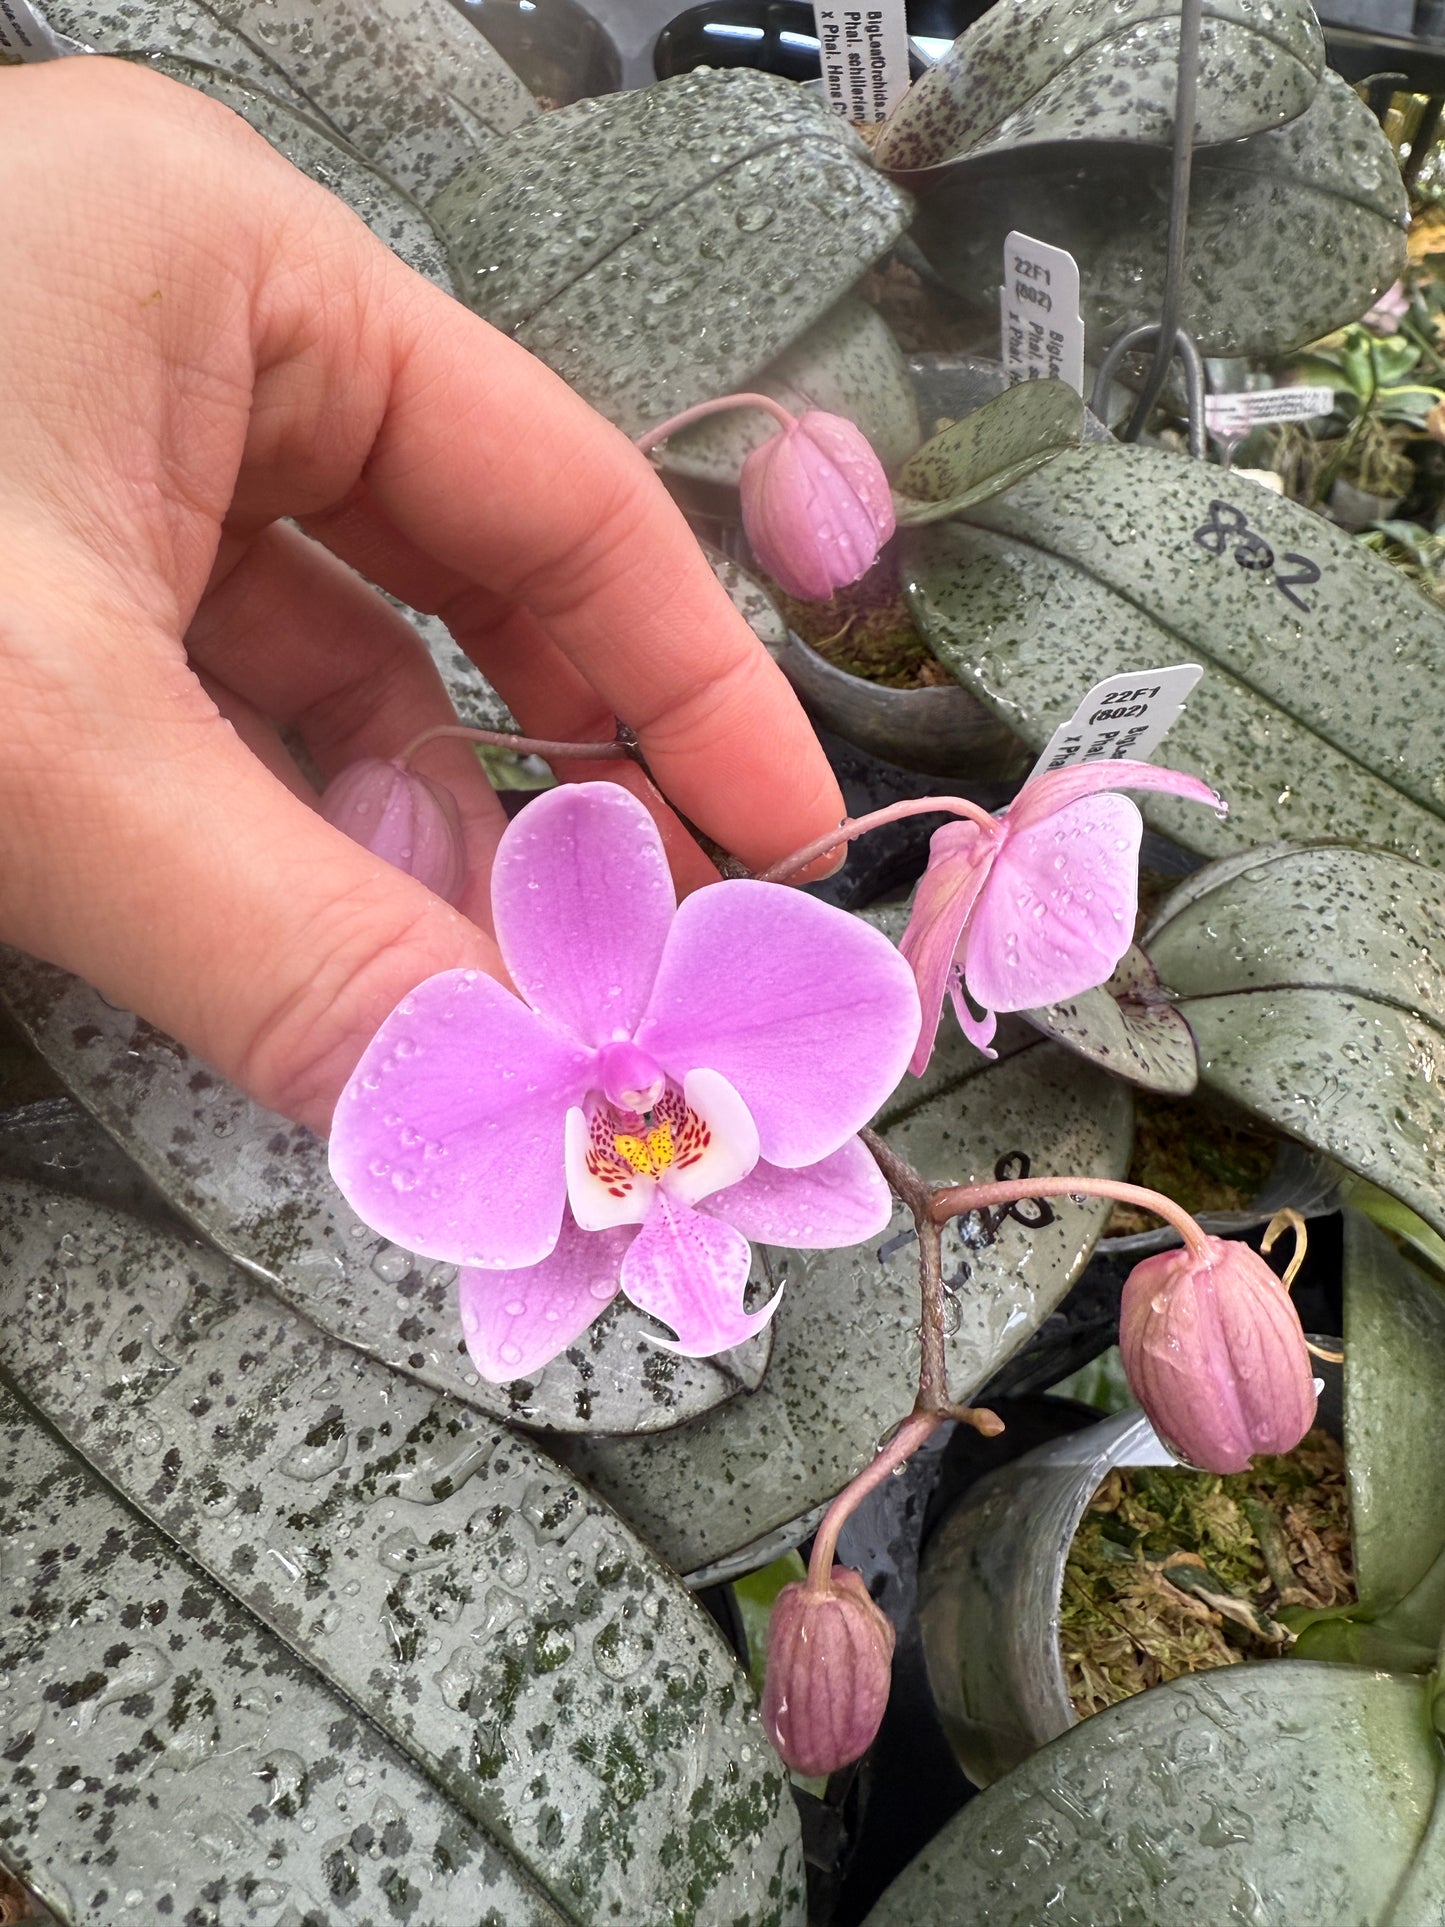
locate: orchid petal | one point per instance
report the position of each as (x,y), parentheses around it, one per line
(810,1016)
(978,1030)
(514,1322)
(1058,911)
(960,856)
(841,1200)
(1056,789)
(730,1146)
(582,898)
(690,1271)
(448,1137)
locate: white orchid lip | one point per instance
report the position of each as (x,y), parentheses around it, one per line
(690,1143)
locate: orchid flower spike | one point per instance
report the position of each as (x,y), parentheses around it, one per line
(1035,904)
(402,817)
(669,1083)
(1212,1346)
(816,505)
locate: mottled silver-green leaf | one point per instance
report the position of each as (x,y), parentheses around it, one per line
(1033,71)
(1312,983)
(1395,1444)
(989,450)
(1291,233)
(1129,1026)
(845,1356)
(1266,1793)
(331,161)
(259,1188)
(1322,705)
(352,1604)
(660,247)
(409,83)
(847,364)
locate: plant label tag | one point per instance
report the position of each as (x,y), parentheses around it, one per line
(25,36)
(1228,417)
(1040,328)
(1123,717)
(864,50)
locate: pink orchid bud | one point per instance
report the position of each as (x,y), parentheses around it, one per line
(816,505)
(402,817)
(1215,1354)
(830,1653)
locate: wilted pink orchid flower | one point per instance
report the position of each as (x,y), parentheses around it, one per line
(1021,909)
(671,1082)
(1212,1346)
(815,500)
(402,817)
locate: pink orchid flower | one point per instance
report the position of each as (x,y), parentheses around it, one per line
(1035,904)
(671,1082)
(816,505)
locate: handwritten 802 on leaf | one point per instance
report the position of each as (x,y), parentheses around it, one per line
(1228,528)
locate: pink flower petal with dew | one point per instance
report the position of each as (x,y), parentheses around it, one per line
(448,1137)
(690,1271)
(1043,795)
(841,1200)
(960,856)
(856,460)
(810,1014)
(1057,912)
(515,1322)
(582,898)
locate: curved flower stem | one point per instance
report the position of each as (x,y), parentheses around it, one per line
(854,826)
(648,441)
(521,745)
(950,1201)
(899,1449)
(917,1193)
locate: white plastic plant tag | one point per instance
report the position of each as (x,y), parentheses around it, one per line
(1228,417)
(1123,717)
(25,36)
(864,51)
(1040,329)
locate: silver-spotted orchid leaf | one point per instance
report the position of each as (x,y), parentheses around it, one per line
(1311,978)
(657,248)
(1038,71)
(1188,1802)
(291,1638)
(1320,711)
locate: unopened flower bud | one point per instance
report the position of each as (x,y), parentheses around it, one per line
(402,817)
(1215,1354)
(816,505)
(830,1654)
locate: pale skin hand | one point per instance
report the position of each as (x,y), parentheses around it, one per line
(201,342)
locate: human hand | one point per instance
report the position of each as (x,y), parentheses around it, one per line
(201,342)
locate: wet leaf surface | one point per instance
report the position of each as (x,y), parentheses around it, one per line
(410,84)
(659,247)
(1279,1791)
(991,449)
(1104,70)
(1259,279)
(301,1634)
(1320,710)
(1312,981)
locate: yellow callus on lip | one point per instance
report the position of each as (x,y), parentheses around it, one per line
(648,1156)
